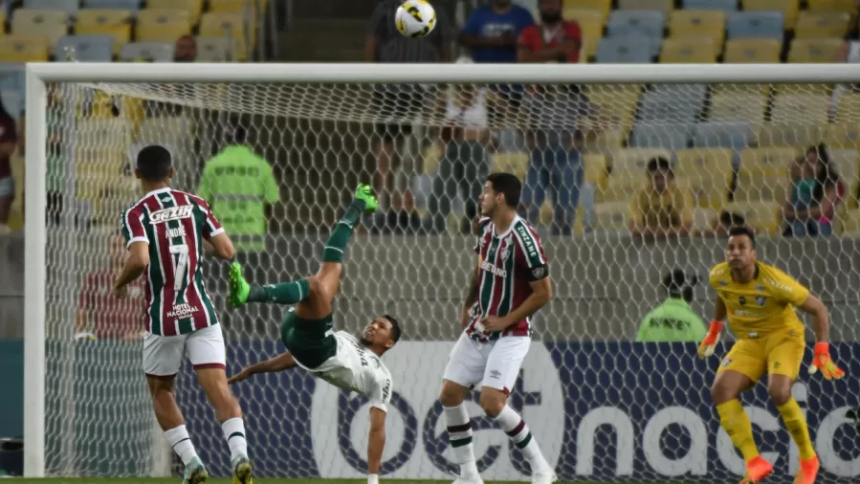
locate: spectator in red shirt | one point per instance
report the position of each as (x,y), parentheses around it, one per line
(8,138)
(555,40)
(111,317)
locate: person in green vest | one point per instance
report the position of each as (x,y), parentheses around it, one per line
(673,321)
(239,184)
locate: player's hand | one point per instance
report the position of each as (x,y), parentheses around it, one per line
(120,292)
(241,376)
(493,324)
(706,349)
(822,362)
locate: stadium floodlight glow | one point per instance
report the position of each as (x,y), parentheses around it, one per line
(84,120)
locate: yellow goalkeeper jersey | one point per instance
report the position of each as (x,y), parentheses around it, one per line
(763,305)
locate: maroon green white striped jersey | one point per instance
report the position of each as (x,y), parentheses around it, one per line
(510,261)
(174,224)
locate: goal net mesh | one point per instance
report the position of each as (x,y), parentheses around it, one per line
(602,407)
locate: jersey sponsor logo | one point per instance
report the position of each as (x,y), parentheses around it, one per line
(177,232)
(778,285)
(747,314)
(182,311)
(172,213)
(726,362)
(492,269)
(528,241)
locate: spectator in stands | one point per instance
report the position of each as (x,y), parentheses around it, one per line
(19,169)
(464,165)
(673,321)
(555,113)
(555,40)
(660,209)
(8,139)
(185,50)
(402,219)
(721,225)
(815,193)
(110,317)
(399,104)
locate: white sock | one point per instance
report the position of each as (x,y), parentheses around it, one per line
(518,431)
(181,443)
(460,437)
(234,432)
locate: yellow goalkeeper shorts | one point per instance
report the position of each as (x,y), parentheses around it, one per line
(778,353)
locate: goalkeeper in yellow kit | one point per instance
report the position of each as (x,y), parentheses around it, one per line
(759,301)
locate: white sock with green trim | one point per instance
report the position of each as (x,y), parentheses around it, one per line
(234,432)
(181,443)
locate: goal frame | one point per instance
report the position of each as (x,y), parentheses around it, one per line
(39,74)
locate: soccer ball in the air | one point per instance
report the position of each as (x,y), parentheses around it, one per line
(415,18)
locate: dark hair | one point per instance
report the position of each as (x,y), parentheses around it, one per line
(826,176)
(743,230)
(659,164)
(678,285)
(731,219)
(153,163)
(395,328)
(240,134)
(508,185)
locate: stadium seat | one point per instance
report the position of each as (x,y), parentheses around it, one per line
(848,224)
(621,189)
(688,50)
(752,51)
(755,25)
(674,136)
(848,109)
(646,23)
(228,24)
(789,8)
(762,188)
(698,23)
(611,216)
(116,23)
(618,107)
(68,6)
(761,216)
(51,24)
(510,162)
(587,17)
(193,7)
(791,134)
(726,5)
(216,49)
(665,107)
(132,5)
(707,171)
(833,5)
(85,48)
(24,48)
(738,106)
(13,101)
(815,50)
(12,76)
(162,25)
(692,93)
(602,5)
(625,50)
(238,6)
(150,51)
(812,25)
(723,134)
(595,168)
(631,163)
(847,165)
(767,162)
(843,135)
(800,108)
(664,6)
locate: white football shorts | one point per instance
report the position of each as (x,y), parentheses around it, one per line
(204,348)
(495,364)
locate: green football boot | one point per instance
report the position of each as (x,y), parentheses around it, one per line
(239,287)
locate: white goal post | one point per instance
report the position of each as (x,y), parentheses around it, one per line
(579,314)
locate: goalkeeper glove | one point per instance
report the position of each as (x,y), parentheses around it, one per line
(706,349)
(822,361)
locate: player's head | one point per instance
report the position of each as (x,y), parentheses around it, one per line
(116,249)
(381,334)
(679,286)
(550,11)
(740,251)
(660,173)
(154,164)
(502,191)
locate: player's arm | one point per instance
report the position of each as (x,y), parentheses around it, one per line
(281,362)
(135,264)
(527,53)
(541,294)
(222,246)
(375,444)
(471,294)
(215,236)
(821,325)
(709,342)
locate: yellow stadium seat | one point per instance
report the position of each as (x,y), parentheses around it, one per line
(794,135)
(800,108)
(2,22)
(23,48)
(843,135)
(595,169)
(815,50)
(516,163)
(820,89)
(822,24)
(586,16)
(603,5)
(763,217)
(51,24)
(193,7)
(706,172)
(760,89)
(789,8)
(767,162)
(591,34)
(698,23)
(734,106)
(847,165)
(633,162)
(235,5)
(611,216)
(98,21)
(752,51)
(848,223)
(767,188)
(162,25)
(664,6)
(848,109)
(687,50)
(832,5)
(615,108)
(221,24)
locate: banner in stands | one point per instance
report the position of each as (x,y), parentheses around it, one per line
(600,411)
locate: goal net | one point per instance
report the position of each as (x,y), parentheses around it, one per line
(752,144)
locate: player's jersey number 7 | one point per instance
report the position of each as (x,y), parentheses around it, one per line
(181,267)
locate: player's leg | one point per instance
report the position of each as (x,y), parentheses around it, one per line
(503,368)
(465,369)
(741,368)
(206,351)
(783,363)
(162,357)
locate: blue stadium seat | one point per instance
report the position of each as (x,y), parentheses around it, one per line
(86,48)
(117,4)
(664,107)
(727,5)
(685,93)
(672,136)
(625,50)
(723,134)
(69,6)
(11,76)
(756,25)
(648,23)
(13,102)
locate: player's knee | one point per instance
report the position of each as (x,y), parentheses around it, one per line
(317,289)
(492,403)
(721,394)
(452,394)
(160,387)
(780,393)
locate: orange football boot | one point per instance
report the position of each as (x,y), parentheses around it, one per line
(808,471)
(757,470)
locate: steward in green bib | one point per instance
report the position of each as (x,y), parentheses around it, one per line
(673,321)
